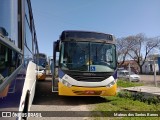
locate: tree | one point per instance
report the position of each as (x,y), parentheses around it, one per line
(124,45)
(121,50)
(141,48)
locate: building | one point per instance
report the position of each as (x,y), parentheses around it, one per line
(148,67)
(133,65)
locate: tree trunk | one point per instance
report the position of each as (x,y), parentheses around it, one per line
(140,69)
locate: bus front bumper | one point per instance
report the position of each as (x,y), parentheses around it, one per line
(86,91)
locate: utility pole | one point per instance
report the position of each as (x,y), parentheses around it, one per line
(155,82)
(129,69)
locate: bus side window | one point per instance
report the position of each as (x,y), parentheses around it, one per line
(3,62)
(9,61)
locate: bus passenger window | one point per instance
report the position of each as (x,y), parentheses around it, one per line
(13,61)
(1,79)
(3,62)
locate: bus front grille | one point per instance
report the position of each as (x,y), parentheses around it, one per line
(87,78)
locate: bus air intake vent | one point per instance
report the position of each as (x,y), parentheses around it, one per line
(89,77)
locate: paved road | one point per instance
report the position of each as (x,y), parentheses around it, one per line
(45,100)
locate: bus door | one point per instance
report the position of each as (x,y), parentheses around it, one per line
(55,66)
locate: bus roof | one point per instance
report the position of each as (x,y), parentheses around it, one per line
(41,55)
(86,35)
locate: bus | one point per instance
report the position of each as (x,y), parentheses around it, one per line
(18,44)
(41,61)
(87,64)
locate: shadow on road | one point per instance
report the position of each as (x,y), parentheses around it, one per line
(45,96)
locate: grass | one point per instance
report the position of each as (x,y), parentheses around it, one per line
(124,83)
(115,103)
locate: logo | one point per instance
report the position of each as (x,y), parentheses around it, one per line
(92,68)
(6,114)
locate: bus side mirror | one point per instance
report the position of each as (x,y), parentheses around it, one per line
(57,45)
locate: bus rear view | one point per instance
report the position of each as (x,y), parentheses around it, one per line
(86,64)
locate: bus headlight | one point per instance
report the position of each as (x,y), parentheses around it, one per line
(66,83)
(111,83)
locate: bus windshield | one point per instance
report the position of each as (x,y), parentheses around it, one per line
(41,62)
(41,59)
(88,56)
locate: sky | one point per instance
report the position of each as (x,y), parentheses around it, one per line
(118,17)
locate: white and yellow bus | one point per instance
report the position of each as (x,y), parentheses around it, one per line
(41,61)
(87,64)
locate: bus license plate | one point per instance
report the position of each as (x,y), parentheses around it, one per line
(88,92)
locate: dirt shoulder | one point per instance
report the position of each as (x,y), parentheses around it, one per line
(149,80)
